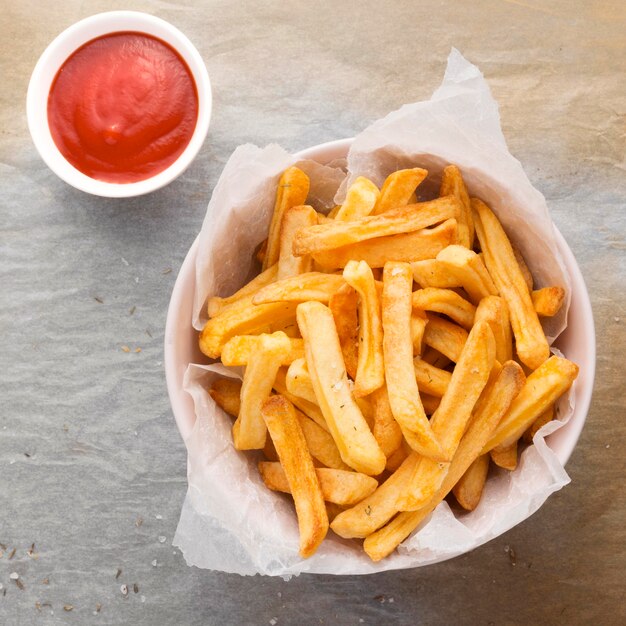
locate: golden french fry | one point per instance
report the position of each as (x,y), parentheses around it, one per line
(298,380)
(322,219)
(543,387)
(338,486)
(531,431)
(548,301)
(505,457)
(294,218)
(495,401)
(279,416)
(332,510)
(452,184)
(434,273)
(447,302)
(528,277)
(346,423)
(404,396)
(469,489)
(413,246)
(398,188)
(289,326)
(418,326)
(530,341)
(216,304)
(249,428)
(370,374)
(434,357)
(405,219)
(397,457)
(494,311)
(449,421)
(378,508)
(445,337)
(332,214)
(360,200)
(292,190)
(241,318)
(343,305)
(430,379)
(386,430)
(269,451)
(240,349)
(308,408)
(310,286)
(225,392)
(321,445)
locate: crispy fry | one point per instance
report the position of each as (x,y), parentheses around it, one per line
(447,302)
(469,489)
(531,431)
(405,219)
(310,286)
(321,445)
(292,190)
(338,486)
(494,311)
(294,218)
(239,349)
(505,457)
(386,430)
(216,304)
(249,428)
(530,341)
(360,200)
(548,301)
(452,184)
(413,246)
(430,403)
(450,420)
(343,305)
(370,374)
(378,508)
(308,408)
(289,326)
(496,400)
(280,418)
(404,397)
(398,188)
(445,337)
(434,357)
(240,318)
(430,379)
(225,392)
(346,423)
(418,326)
(298,380)
(397,457)
(543,387)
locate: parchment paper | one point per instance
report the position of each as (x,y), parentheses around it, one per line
(230,521)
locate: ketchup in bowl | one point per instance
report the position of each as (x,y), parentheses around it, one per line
(123,107)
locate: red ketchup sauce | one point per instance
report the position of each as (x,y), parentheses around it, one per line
(123,107)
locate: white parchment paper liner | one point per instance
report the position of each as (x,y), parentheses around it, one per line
(230,521)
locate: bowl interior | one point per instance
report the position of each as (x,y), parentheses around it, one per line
(577,342)
(56,54)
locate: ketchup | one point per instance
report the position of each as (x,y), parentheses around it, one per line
(123,107)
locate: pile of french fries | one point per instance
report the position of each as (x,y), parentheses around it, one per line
(392,352)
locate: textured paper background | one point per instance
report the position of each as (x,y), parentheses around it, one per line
(295,74)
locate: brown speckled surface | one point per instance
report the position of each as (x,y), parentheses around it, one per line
(92,469)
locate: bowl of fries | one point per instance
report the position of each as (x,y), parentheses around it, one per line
(393,352)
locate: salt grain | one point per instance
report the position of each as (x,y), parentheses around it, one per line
(143,598)
(154,563)
(273,621)
(124,261)
(14,576)
(162,539)
(159,516)
(124,589)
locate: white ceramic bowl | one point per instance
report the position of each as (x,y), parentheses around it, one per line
(57,53)
(577,342)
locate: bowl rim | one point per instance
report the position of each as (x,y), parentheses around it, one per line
(65,44)
(562,442)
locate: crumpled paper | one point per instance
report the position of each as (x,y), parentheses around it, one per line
(230,521)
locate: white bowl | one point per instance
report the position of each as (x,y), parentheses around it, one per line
(577,342)
(57,53)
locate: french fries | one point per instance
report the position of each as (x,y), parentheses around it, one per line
(530,341)
(345,421)
(345,357)
(279,416)
(370,373)
(249,429)
(292,190)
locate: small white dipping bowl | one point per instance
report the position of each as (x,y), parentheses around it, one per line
(577,342)
(58,52)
